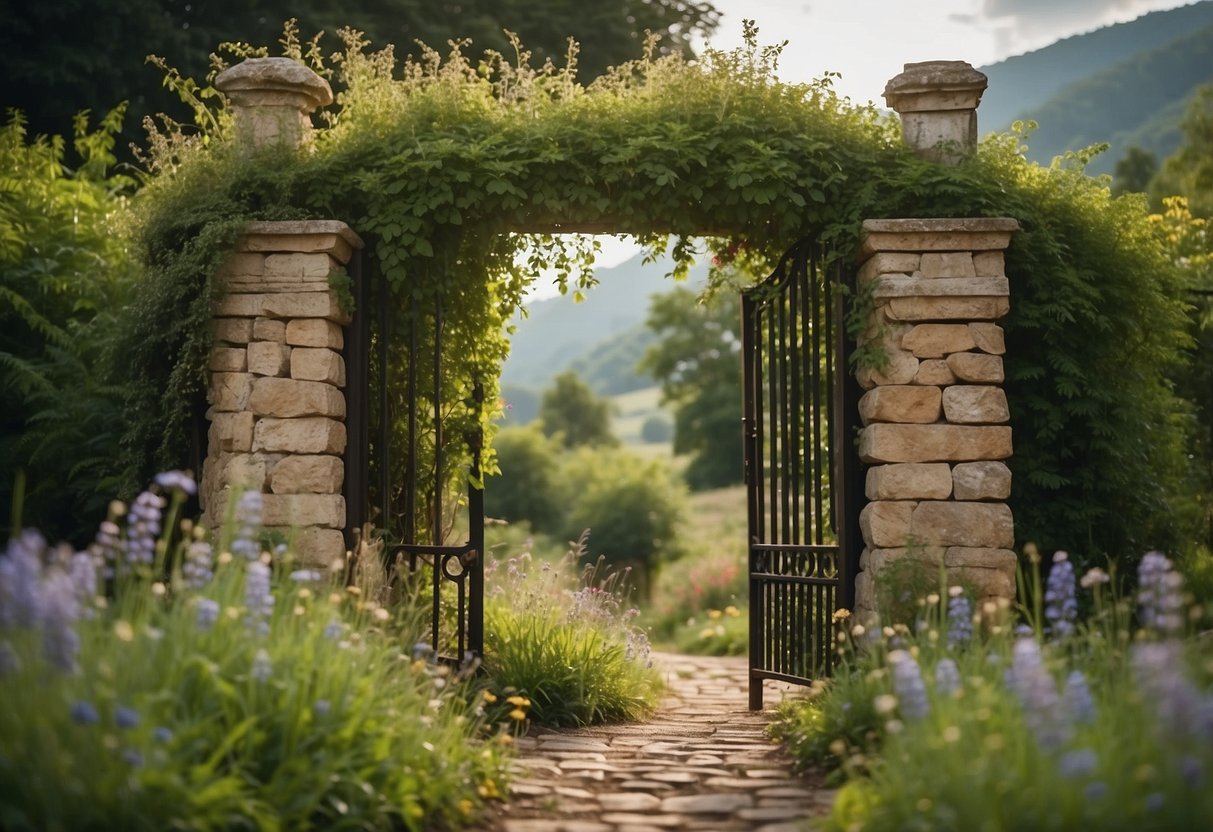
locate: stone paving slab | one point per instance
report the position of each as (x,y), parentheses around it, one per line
(703,762)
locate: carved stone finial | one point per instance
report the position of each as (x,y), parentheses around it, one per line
(273,99)
(937,102)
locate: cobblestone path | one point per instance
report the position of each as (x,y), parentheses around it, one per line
(703,762)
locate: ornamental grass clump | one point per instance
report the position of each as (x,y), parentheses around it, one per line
(213,687)
(567,645)
(1097,723)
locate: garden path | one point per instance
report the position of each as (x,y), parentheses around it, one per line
(703,762)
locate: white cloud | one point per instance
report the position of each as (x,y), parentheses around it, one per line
(1020,25)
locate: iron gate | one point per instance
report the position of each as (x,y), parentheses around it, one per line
(401,462)
(799,468)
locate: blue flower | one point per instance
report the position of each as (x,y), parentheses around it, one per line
(83,713)
(162,735)
(262,668)
(142,528)
(1036,691)
(1160,594)
(947,677)
(198,567)
(1078,764)
(248,520)
(178,481)
(1061,601)
(125,717)
(132,757)
(333,630)
(960,620)
(207,614)
(306,575)
(321,707)
(1079,703)
(1180,707)
(908,686)
(21,581)
(421,650)
(60,609)
(258,597)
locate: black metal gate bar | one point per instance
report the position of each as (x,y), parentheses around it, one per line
(796,438)
(403,495)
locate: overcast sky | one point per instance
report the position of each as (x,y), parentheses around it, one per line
(869,40)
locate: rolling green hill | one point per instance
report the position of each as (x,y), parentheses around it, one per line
(1125,85)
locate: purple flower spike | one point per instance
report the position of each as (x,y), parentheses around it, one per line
(142,528)
(83,713)
(177,481)
(1160,594)
(1079,703)
(21,581)
(1029,680)
(1061,604)
(960,620)
(947,677)
(908,686)
(125,717)
(258,598)
(60,609)
(198,568)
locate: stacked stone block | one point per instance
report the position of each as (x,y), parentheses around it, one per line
(277,379)
(935,415)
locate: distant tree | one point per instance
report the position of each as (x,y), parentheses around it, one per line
(697,361)
(1134,172)
(1189,171)
(60,57)
(656,429)
(527,487)
(571,412)
(520,405)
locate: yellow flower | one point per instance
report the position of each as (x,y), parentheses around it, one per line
(489,697)
(518,714)
(123,631)
(488,789)
(841,614)
(158,589)
(732,611)
(305,594)
(465,807)
(382,614)
(519,701)
(224,558)
(505,739)
(353,590)
(707,632)
(713,614)
(335,598)
(300,609)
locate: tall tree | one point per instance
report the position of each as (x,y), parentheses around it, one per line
(1134,171)
(572,412)
(1189,171)
(697,360)
(67,55)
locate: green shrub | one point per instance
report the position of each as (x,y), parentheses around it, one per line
(569,647)
(527,487)
(657,429)
(219,693)
(715,633)
(631,506)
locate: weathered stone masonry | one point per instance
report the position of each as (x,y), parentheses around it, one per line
(935,417)
(277,401)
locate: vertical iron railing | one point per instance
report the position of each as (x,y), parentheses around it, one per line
(798,468)
(406,462)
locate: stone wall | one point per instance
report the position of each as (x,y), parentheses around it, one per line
(277,380)
(935,416)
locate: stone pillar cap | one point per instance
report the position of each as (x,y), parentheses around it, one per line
(934,86)
(274,81)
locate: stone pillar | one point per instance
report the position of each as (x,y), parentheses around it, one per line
(937,102)
(277,377)
(935,416)
(272,100)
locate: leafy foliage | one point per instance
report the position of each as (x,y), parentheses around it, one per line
(697,360)
(1189,171)
(65,271)
(436,164)
(527,488)
(572,415)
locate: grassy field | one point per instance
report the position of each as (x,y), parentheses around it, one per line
(631,412)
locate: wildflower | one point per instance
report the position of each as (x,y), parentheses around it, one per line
(1094,577)
(1078,764)
(258,598)
(489,697)
(198,566)
(207,613)
(306,575)
(162,735)
(132,758)
(886,703)
(960,620)
(422,650)
(21,580)
(1180,707)
(1155,801)
(1159,596)
(60,609)
(947,677)
(321,707)
(107,542)
(841,615)
(83,571)
(83,713)
(1077,699)
(142,529)
(908,685)
(1061,606)
(177,481)
(333,630)
(518,701)
(123,631)
(518,714)
(732,611)
(1036,691)
(126,718)
(1191,770)
(248,520)
(262,668)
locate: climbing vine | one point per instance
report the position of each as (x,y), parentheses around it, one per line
(449,167)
